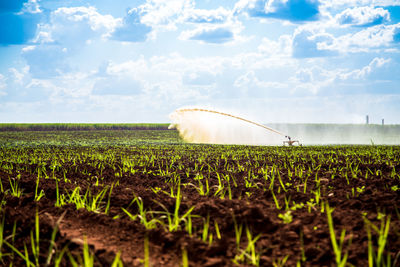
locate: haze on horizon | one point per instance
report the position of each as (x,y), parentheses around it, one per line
(296,61)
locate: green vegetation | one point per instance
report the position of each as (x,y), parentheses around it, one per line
(155,182)
(337,247)
(81,126)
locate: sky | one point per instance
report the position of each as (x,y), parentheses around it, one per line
(288,61)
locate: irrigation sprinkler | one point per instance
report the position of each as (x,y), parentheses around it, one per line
(289,142)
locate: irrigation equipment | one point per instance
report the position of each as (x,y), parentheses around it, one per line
(291,142)
(288,142)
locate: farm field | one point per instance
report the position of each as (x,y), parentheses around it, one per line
(145,198)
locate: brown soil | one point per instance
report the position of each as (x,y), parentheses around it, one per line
(307,234)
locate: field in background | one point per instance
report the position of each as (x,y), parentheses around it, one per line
(309,134)
(145,198)
(81,126)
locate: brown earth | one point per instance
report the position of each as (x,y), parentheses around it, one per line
(305,236)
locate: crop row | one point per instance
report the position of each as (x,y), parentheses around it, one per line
(81,126)
(215,194)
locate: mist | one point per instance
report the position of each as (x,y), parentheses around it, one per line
(357,134)
(213,127)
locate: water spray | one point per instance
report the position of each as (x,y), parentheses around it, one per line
(180,112)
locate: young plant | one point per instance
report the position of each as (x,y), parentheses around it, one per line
(185,259)
(206,228)
(88,257)
(238,231)
(143,214)
(24,256)
(249,254)
(175,219)
(2,240)
(377,257)
(89,201)
(39,195)
(337,247)
(286,217)
(87,260)
(280,262)
(117,261)
(35,240)
(15,188)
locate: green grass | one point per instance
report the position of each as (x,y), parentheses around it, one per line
(81,126)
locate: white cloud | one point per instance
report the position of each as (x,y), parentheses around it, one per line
(363,16)
(3,85)
(162,14)
(363,72)
(19,76)
(314,79)
(336,4)
(46,60)
(251,86)
(28,48)
(32,6)
(75,25)
(131,29)
(219,15)
(160,77)
(271,48)
(70,88)
(168,15)
(209,34)
(375,37)
(311,41)
(68,30)
(89,15)
(213,26)
(290,10)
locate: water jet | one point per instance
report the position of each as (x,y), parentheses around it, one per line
(200,125)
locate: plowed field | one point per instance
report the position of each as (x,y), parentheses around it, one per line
(144,198)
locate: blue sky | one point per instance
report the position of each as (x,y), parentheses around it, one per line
(307,61)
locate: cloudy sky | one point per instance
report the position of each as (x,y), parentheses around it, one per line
(330,61)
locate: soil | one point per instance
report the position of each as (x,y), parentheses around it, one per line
(304,239)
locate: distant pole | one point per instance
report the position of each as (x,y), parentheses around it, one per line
(383,122)
(367,120)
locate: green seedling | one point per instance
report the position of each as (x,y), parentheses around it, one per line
(117,262)
(238,231)
(88,257)
(340,258)
(377,256)
(174,220)
(39,195)
(275,200)
(143,215)
(280,262)
(286,217)
(35,240)
(15,189)
(249,254)
(206,228)
(185,258)
(217,231)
